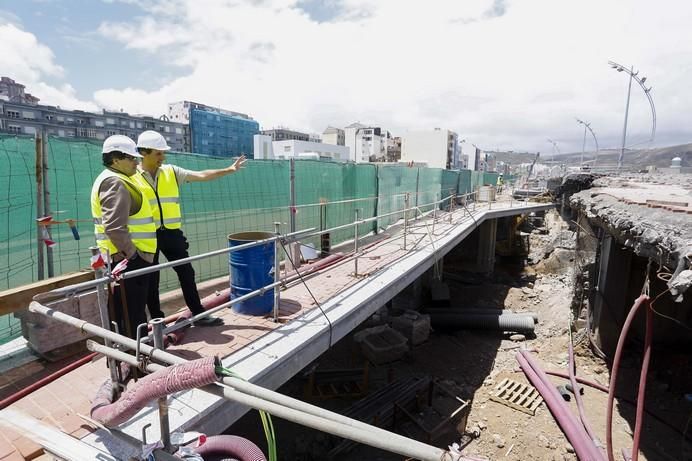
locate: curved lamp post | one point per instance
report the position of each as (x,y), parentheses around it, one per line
(587,126)
(647,92)
(555,149)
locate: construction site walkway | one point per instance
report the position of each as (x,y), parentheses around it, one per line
(260,350)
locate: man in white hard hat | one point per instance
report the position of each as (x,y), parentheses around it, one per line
(124,228)
(160,183)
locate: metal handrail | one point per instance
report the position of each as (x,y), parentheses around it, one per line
(72,289)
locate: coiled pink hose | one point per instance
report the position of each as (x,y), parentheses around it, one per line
(176,378)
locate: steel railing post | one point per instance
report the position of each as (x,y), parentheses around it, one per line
(407,199)
(102,300)
(434,212)
(451,207)
(277,271)
(355,247)
(157,326)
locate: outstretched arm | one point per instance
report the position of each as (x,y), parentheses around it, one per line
(208,175)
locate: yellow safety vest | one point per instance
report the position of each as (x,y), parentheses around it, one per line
(140,225)
(165,200)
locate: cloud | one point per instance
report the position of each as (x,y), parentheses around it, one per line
(503,74)
(31,63)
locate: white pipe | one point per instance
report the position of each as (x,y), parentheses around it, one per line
(389,441)
(261,395)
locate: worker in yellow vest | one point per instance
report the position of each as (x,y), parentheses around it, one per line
(160,184)
(124,228)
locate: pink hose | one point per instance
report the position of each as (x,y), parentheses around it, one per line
(574,431)
(642,382)
(230,446)
(560,374)
(190,375)
(643,299)
(577,396)
(177,336)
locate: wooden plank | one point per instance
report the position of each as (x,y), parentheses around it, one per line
(50,438)
(16,299)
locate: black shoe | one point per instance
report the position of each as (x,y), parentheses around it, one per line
(209,321)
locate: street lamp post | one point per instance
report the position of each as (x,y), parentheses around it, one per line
(647,91)
(555,149)
(587,126)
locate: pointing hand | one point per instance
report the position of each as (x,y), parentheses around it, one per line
(239,163)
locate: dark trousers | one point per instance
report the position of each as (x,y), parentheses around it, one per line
(173,244)
(129,299)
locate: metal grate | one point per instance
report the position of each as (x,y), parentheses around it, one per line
(522,397)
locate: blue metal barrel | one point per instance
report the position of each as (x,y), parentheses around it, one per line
(252,269)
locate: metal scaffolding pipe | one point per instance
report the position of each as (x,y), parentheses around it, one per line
(270,401)
(367,434)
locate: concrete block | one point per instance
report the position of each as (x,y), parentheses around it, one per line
(413,325)
(44,334)
(381,344)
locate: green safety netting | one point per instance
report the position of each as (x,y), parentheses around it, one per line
(393,182)
(18,239)
(490,179)
(327,194)
(465,183)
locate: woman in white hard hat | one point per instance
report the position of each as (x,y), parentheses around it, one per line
(160,184)
(124,228)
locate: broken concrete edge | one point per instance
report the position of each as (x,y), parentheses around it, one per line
(664,237)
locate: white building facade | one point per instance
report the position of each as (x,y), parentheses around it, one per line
(367,143)
(438,148)
(335,136)
(265,148)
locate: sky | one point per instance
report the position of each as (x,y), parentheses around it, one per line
(503,74)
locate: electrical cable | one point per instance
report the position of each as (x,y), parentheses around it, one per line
(317,303)
(266,418)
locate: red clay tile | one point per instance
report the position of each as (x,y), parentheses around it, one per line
(27,448)
(14,456)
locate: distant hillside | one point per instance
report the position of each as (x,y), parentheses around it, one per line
(660,156)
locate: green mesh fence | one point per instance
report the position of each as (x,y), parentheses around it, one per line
(327,194)
(476,180)
(17,229)
(490,179)
(393,182)
(449,185)
(465,185)
(429,187)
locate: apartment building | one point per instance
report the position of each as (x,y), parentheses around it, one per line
(215,131)
(367,143)
(335,136)
(438,148)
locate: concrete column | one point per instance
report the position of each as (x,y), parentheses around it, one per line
(485,259)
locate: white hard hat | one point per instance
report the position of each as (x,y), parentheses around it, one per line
(152,140)
(120,143)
